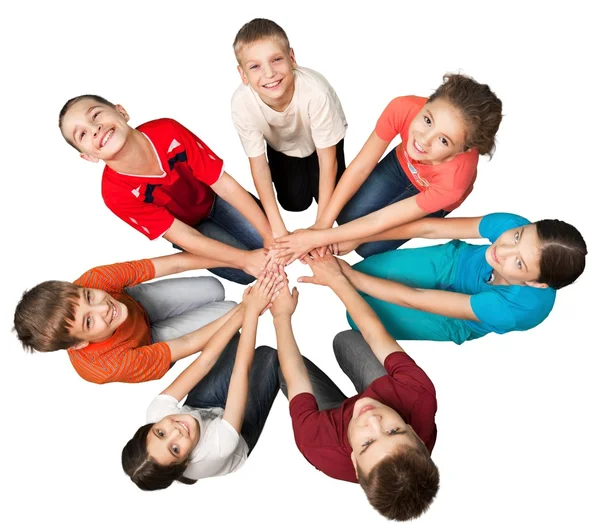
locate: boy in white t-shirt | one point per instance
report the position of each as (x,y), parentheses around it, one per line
(296,113)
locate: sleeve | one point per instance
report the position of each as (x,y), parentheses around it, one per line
(327,121)
(130,365)
(149,219)
(253,140)
(161,406)
(394,118)
(492,309)
(114,278)
(440,195)
(400,366)
(304,412)
(492,226)
(205,165)
(226,438)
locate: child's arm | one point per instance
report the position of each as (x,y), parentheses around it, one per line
(256,299)
(428,228)
(230,190)
(446,303)
(352,179)
(187,379)
(261,173)
(290,361)
(327,271)
(188,238)
(328,167)
(195,341)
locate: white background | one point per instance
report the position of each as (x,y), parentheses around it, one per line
(517,443)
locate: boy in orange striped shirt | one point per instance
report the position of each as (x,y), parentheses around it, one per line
(115,327)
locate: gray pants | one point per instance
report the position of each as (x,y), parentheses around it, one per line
(178,306)
(357,361)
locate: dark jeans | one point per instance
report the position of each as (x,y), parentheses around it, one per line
(387,184)
(357,361)
(225,224)
(296,180)
(263,386)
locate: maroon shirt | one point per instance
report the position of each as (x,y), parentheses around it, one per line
(322,436)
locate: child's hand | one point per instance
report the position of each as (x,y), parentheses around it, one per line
(255,262)
(344,265)
(258,297)
(345,247)
(297,244)
(325,269)
(286,301)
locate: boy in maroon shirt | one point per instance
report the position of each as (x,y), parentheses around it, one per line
(383,436)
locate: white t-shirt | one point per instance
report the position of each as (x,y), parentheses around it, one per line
(314,118)
(220,450)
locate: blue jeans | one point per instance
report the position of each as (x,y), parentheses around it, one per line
(387,184)
(263,386)
(225,224)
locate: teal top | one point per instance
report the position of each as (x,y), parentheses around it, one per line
(459,267)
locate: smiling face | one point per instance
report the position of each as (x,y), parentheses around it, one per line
(515,256)
(97,130)
(172,439)
(437,133)
(97,316)
(268,66)
(375,431)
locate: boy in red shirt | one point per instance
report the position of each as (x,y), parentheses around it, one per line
(383,436)
(115,327)
(164,181)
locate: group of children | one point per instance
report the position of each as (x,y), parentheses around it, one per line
(164,181)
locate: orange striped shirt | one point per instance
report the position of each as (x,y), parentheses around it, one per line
(128,356)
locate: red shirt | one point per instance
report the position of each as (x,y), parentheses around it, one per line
(182,191)
(442,186)
(322,436)
(128,355)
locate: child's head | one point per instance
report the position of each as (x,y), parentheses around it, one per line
(58,315)
(265,60)
(549,253)
(392,464)
(158,453)
(94,126)
(460,115)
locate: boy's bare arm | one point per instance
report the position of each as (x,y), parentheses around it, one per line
(188,238)
(261,173)
(353,178)
(290,360)
(231,191)
(328,167)
(327,272)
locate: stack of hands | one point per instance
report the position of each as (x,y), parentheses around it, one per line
(271,290)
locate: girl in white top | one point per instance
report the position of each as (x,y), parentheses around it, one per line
(228,400)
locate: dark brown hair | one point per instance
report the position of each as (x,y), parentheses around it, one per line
(44,316)
(480,108)
(563,252)
(71,102)
(403,484)
(145,472)
(257,29)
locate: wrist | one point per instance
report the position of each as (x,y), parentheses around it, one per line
(338,281)
(282,318)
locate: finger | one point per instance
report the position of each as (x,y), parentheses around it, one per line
(306,279)
(321,251)
(295,293)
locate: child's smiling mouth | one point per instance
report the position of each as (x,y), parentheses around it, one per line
(107,136)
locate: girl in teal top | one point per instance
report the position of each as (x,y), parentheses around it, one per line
(459,291)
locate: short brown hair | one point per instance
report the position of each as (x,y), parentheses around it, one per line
(71,102)
(45,315)
(402,485)
(255,30)
(480,108)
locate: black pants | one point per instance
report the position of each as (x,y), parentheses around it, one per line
(296,180)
